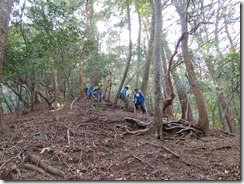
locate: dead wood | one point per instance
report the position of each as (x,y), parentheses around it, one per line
(68,137)
(35,168)
(137,158)
(142,161)
(222,147)
(6,162)
(45,166)
(167,149)
(73,102)
(227,133)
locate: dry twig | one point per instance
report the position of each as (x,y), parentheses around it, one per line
(7,162)
(167,149)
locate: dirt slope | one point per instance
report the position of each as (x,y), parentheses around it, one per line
(88,142)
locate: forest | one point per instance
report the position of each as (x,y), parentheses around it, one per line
(183,55)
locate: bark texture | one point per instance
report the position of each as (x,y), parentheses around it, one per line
(158,113)
(5,10)
(147,64)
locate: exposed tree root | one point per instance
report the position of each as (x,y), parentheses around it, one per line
(147,126)
(137,121)
(137,132)
(170,124)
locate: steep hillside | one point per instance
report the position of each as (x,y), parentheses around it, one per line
(89,142)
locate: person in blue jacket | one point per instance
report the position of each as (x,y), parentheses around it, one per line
(124,96)
(90,92)
(138,99)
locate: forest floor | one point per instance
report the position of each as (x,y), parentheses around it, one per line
(89,142)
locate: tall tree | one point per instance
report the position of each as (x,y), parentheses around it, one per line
(157,127)
(203,122)
(148,61)
(138,50)
(80,53)
(166,84)
(129,55)
(5,10)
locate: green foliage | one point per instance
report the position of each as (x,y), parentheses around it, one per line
(51,44)
(99,65)
(229,72)
(144,7)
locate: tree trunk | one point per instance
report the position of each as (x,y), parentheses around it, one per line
(186,112)
(147,64)
(203,122)
(158,112)
(166,84)
(81,52)
(129,56)
(5,10)
(138,51)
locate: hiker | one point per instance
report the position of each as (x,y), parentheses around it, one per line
(124,96)
(90,91)
(95,91)
(99,93)
(86,91)
(138,100)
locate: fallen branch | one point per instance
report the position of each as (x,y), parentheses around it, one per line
(227,133)
(222,147)
(45,166)
(35,168)
(6,162)
(73,102)
(167,149)
(68,137)
(142,161)
(137,158)
(79,163)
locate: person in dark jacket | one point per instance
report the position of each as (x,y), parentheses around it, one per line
(99,93)
(86,91)
(138,99)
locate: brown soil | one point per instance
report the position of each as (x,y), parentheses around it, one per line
(88,142)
